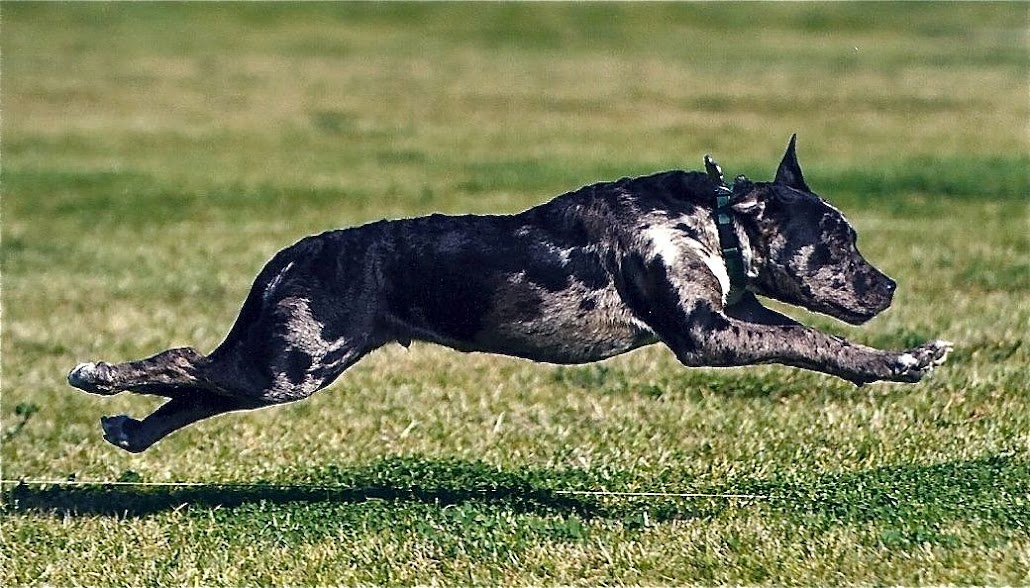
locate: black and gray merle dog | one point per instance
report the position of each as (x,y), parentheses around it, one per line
(675,257)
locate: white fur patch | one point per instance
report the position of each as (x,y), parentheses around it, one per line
(907,360)
(82,374)
(716,265)
(946,346)
(664,242)
(270,289)
(672,244)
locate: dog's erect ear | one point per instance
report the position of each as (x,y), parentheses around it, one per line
(789,172)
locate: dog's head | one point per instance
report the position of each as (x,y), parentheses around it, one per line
(808,248)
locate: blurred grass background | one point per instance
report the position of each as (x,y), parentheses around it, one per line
(154,155)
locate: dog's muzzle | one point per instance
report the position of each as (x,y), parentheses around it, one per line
(873,295)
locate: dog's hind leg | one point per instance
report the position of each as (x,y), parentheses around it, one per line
(243,375)
(182,374)
(135,435)
(294,335)
(170,373)
(191,404)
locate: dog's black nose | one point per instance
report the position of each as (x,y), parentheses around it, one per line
(888,287)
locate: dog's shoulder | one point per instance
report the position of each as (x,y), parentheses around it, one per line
(667,190)
(618,210)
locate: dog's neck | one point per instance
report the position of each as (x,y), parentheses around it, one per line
(734,244)
(737,253)
(750,253)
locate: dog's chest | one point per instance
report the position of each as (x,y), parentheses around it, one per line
(589,319)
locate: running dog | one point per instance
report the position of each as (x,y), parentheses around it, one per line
(675,257)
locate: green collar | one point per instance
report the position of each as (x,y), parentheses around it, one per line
(728,242)
(730,246)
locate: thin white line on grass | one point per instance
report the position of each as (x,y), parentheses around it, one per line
(117,483)
(600,493)
(660,494)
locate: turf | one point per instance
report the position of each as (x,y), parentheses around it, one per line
(155,155)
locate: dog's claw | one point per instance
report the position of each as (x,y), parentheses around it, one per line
(91,377)
(118,431)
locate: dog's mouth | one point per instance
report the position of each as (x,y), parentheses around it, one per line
(870,295)
(850,316)
(855,316)
(855,306)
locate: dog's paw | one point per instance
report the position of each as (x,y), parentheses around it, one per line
(913,365)
(94,378)
(121,431)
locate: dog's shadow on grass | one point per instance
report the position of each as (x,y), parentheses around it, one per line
(438,482)
(914,498)
(133,501)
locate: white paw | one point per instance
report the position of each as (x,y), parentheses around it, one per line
(82,374)
(918,362)
(943,349)
(91,377)
(907,361)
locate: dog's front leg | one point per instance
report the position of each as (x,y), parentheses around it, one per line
(686,316)
(716,339)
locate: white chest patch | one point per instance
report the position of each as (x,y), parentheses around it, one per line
(673,246)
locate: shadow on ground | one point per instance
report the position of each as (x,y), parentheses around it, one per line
(435,482)
(992,489)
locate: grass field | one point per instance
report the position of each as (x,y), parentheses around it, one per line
(154,156)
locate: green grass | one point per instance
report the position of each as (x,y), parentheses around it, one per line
(155,155)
